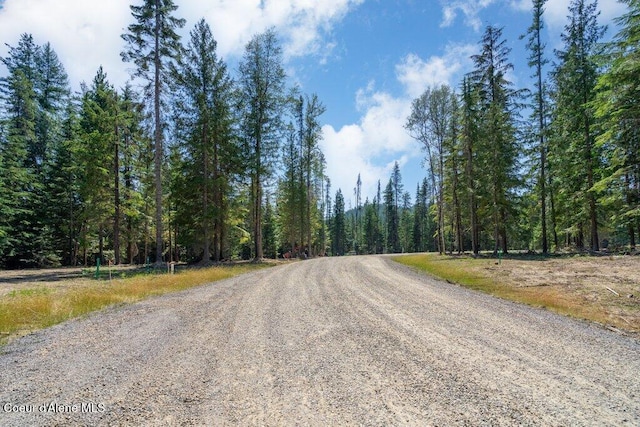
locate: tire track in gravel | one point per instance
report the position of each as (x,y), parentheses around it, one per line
(354,340)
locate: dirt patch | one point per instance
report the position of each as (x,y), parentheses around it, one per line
(610,284)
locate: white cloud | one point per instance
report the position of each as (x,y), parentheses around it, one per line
(416,75)
(303,24)
(469,8)
(380,133)
(355,149)
(521,5)
(345,153)
(86,34)
(556,12)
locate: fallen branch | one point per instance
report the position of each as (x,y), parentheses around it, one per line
(617,294)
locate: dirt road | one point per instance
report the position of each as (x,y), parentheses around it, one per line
(356,340)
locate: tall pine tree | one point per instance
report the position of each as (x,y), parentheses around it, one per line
(208,144)
(151,44)
(262,94)
(576,157)
(618,107)
(537,61)
(497,140)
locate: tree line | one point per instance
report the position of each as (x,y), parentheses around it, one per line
(194,162)
(565,177)
(548,168)
(180,164)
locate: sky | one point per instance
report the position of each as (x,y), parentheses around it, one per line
(365,59)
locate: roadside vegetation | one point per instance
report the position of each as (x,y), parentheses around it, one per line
(600,289)
(25,310)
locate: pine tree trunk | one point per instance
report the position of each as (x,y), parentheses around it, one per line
(542,128)
(217,201)
(593,214)
(308,206)
(630,230)
(257,206)
(116,192)
(158,150)
(554,222)
(206,252)
(473,204)
(457,209)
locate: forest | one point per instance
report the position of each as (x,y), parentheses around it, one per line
(194,162)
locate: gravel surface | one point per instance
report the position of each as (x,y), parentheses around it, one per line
(333,341)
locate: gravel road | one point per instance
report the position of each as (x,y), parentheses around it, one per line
(332,341)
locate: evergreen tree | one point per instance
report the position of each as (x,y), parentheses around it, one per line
(617,105)
(52,89)
(269,231)
(498,140)
(134,143)
(327,213)
(378,221)
(4,202)
(96,156)
(429,123)
(312,163)
(419,214)
(575,153)
(262,94)
(369,228)
(357,192)
(453,188)
(537,61)
(406,224)
(338,226)
(22,175)
(392,213)
(291,195)
(470,133)
(151,44)
(63,188)
(17,173)
(208,147)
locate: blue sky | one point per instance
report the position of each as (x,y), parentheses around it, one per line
(366,59)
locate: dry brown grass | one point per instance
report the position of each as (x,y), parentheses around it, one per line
(602,289)
(23,310)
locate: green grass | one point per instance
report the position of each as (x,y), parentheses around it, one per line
(26,310)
